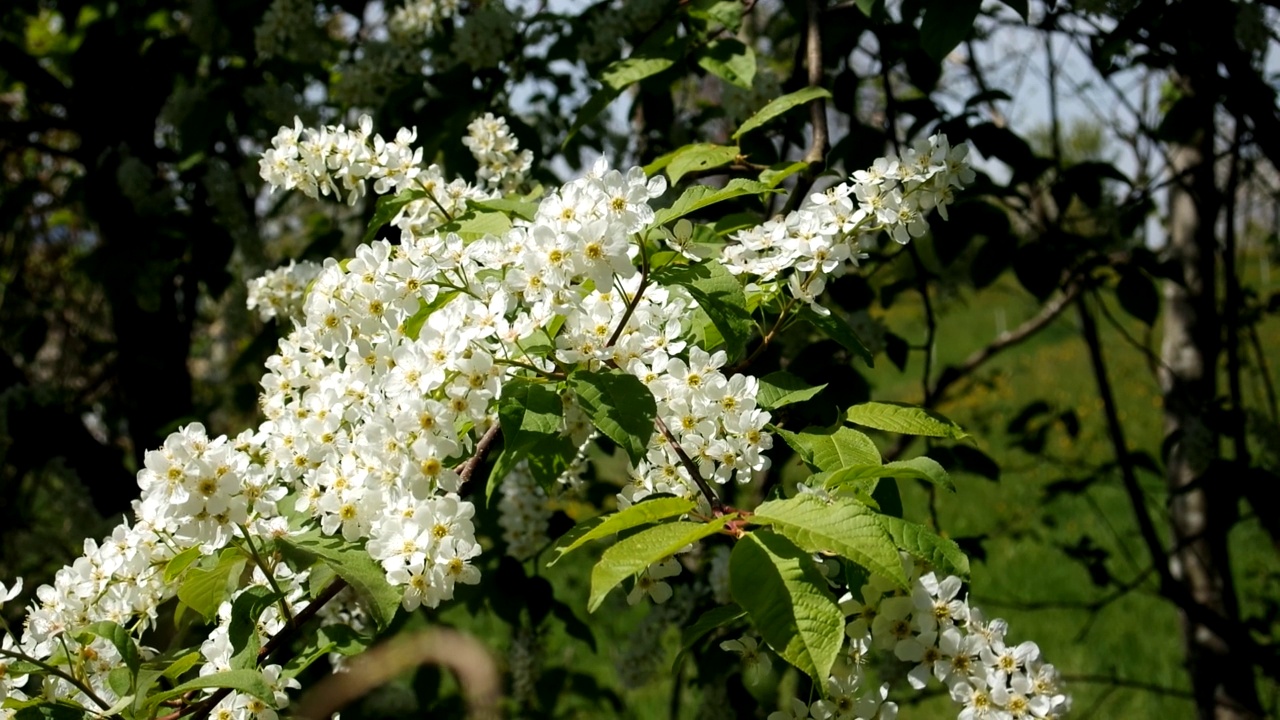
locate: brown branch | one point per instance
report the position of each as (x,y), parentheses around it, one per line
(467,657)
(816,155)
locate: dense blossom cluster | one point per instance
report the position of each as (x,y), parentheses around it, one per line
(279,292)
(392,372)
(823,235)
(416,20)
(503,165)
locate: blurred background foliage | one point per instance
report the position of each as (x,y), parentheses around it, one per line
(1125,220)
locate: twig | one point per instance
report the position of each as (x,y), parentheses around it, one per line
(54,670)
(467,657)
(689,465)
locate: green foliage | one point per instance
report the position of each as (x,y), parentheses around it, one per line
(637,552)
(788,601)
(781,388)
(719,295)
(641,513)
(531,415)
(839,526)
(921,468)
(904,419)
(778,106)
(351,563)
(619,405)
(204,588)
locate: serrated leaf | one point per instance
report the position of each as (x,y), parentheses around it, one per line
(181,665)
(697,157)
(620,406)
(714,618)
(730,60)
(945,24)
(780,105)
(840,526)
(180,562)
(204,589)
(920,542)
(637,552)
(781,388)
(531,414)
(827,450)
(921,468)
(701,196)
(520,208)
(246,681)
(788,601)
(837,328)
(719,295)
(776,173)
(473,225)
(643,512)
(352,563)
(904,419)
(243,630)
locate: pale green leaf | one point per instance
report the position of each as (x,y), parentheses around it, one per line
(781,388)
(698,197)
(776,173)
(788,601)
(520,208)
(698,157)
(638,514)
(921,542)
(352,563)
(180,562)
(620,406)
(413,324)
(904,419)
(921,468)
(204,589)
(250,682)
(827,450)
(388,207)
(839,526)
(637,552)
(780,105)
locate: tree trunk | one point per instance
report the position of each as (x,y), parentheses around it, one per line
(1202,506)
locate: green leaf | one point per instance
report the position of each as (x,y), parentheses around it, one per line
(243,630)
(840,526)
(1138,295)
(921,542)
(121,639)
(120,680)
(352,563)
(180,562)
(616,77)
(787,598)
(719,295)
(641,513)
(780,105)
(714,618)
(904,419)
(946,23)
(828,450)
(181,665)
(620,406)
(778,172)
(531,414)
(838,329)
(698,197)
(727,13)
(637,552)
(245,681)
(921,468)
(867,6)
(781,388)
(203,590)
(388,207)
(510,206)
(48,711)
(730,60)
(413,324)
(473,225)
(700,156)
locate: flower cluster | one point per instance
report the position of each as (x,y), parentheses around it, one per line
(944,641)
(823,235)
(336,160)
(416,20)
(280,292)
(523,513)
(486,38)
(503,165)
